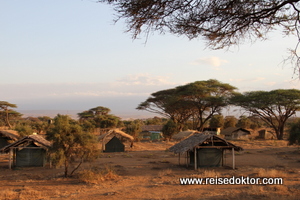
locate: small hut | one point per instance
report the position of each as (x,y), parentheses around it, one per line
(204,150)
(114,143)
(7,137)
(234,133)
(30,151)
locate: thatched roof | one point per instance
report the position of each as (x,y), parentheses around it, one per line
(231,130)
(37,139)
(116,132)
(199,139)
(11,134)
(184,134)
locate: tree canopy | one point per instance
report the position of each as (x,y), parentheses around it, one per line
(98,117)
(6,112)
(200,100)
(222,23)
(273,107)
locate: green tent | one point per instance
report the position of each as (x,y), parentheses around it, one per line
(27,152)
(114,145)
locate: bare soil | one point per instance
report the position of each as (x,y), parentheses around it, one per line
(148,171)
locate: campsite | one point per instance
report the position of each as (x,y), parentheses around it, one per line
(149,171)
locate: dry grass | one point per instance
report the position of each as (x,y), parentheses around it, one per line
(165,172)
(8,195)
(277,192)
(95,176)
(270,173)
(211,173)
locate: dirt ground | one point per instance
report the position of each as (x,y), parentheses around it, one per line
(149,171)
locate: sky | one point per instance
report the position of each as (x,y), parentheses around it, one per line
(70,56)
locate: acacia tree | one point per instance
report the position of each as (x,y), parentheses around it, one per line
(273,107)
(70,143)
(200,99)
(6,112)
(207,98)
(98,117)
(222,23)
(168,104)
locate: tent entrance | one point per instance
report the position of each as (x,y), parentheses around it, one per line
(210,157)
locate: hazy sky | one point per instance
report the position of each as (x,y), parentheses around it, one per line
(69,55)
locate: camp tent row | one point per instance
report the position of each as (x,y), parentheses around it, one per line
(204,150)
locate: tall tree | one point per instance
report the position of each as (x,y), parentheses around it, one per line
(273,107)
(99,117)
(200,99)
(207,98)
(7,112)
(222,23)
(70,143)
(168,104)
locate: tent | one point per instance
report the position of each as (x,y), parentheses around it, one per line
(117,133)
(114,145)
(235,133)
(27,152)
(204,150)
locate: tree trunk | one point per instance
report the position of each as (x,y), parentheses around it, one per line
(279,132)
(7,120)
(66,167)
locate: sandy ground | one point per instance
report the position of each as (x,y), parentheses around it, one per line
(148,171)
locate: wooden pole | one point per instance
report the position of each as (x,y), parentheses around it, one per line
(9,159)
(233,159)
(222,157)
(187,159)
(195,158)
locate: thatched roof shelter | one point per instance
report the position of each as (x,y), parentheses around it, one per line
(38,140)
(115,132)
(28,151)
(198,139)
(200,143)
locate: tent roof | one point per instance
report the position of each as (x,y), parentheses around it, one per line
(11,134)
(116,132)
(230,130)
(37,139)
(197,140)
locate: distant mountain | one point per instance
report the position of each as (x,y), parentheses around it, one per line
(73,114)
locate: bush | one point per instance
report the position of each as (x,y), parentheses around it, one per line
(294,133)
